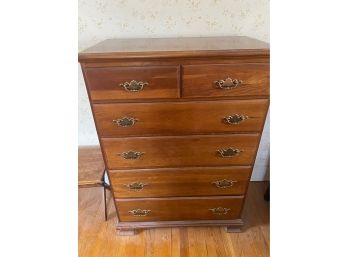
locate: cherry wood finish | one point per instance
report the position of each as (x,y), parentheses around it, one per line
(190,47)
(180,208)
(198,181)
(179,124)
(198,80)
(104,83)
(171,118)
(180,151)
(137,62)
(178,239)
(136,225)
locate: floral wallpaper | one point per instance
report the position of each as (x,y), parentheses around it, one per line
(102,19)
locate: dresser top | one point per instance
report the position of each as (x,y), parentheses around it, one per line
(174,47)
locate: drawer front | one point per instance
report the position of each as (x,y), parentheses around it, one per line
(161,209)
(218,80)
(135,152)
(148,82)
(173,118)
(180,182)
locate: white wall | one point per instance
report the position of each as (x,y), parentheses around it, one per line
(102,19)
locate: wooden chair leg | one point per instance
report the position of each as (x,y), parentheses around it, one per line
(105,204)
(106,186)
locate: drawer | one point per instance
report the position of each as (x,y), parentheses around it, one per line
(180,182)
(148,152)
(180,117)
(218,80)
(179,208)
(132,82)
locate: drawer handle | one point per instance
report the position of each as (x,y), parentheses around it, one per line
(235,119)
(229,152)
(131,155)
(125,121)
(220,210)
(224,183)
(134,86)
(227,83)
(136,186)
(139,212)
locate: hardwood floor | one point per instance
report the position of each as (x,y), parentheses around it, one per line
(98,238)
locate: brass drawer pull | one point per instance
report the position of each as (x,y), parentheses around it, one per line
(227,83)
(131,155)
(235,119)
(136,186)
(134,86)
(229,152)
(125,121)
(220,210)
(139,212)
(224,183)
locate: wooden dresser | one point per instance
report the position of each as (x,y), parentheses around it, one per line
(179,122)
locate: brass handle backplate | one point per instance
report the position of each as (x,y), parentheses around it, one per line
(139,212)
(224,183)
(220,210)
(125,121)
(136,186)
(131,155)
(229,152)
(235,119)
(227,83)
(134,86)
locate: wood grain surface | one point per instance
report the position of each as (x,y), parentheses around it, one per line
(178,127)
(104,83)
(198,80)
(99,238)
(170,118)
(187,47)
(180,181)
(180,208)
(180,150)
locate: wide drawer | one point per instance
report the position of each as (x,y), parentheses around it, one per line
(179,208)
(196,181)
(180,117)
(147,152)
(218,80)
(132,82)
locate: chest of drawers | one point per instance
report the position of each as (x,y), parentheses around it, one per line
(179,122)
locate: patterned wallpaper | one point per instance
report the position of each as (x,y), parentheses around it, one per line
(102,19)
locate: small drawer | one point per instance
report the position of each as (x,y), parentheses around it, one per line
(173,118)
(180,182)
(179,208)
(225,80)
(112,83)
(153,152)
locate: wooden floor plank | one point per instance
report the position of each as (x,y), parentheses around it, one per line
(197,242)
(180,242)
(161,242)
(98,238)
